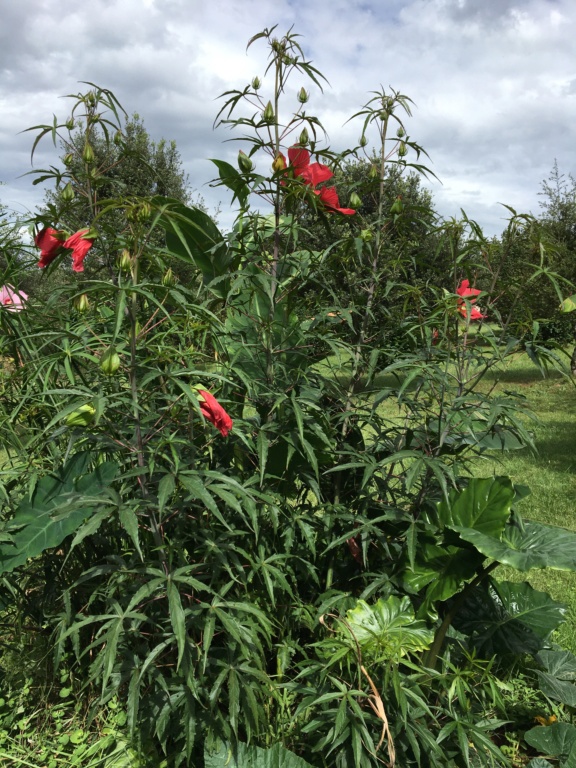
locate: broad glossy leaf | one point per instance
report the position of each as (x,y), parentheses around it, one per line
(58,507)
(556,740)
(536,546)
(442,571)
(484,505)
(505,617)
(246,756)
(388,629)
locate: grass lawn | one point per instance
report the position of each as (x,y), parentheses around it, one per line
(550,474)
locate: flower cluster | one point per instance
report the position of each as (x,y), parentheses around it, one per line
(52,242)
(312,174)
(11,299)
(465,292)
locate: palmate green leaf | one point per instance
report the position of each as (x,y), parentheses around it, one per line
(507,617)
(58,507)
(388,629)
(484,506)
(245,756)
(556,740)
(535,546)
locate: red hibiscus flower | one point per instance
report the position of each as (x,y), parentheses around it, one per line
(329,197)
(311,173)
(214,413)
(80,245)
(466,292)
(49,241)
(475,313)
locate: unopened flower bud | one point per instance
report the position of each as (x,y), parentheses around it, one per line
(90,99)
(88,153)
(169,278)
(82,303)
(81,417)
(279,163)
(124,261)
(355,200)
(118,138)
(244,162)
(402,149)
(144,211)
(70,124)
(366,235)
(68,159)
(374,173)
(256,83)
(303,95)
(400,132)
(362,141)
(268,114)
(303,138)
(67,193)
(110,361)
(397,205)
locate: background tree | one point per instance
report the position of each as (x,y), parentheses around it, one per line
(131,165)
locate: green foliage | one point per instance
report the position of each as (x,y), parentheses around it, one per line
(314,587)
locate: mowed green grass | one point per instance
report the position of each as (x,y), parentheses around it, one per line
(550,473)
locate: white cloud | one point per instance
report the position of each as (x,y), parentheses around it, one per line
(494,81)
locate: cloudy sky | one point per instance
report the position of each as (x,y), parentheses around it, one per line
(493,81)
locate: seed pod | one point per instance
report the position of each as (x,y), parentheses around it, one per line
(169,278)
(67,193)
(81,417)
(110,361)
(268,114)
(244,162)
(88,153)
(124,260)
(82,303)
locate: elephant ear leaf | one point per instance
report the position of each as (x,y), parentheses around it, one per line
(58,507)
(388,629)
(556,740)
(506,617)
(532,545)
(483,506)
